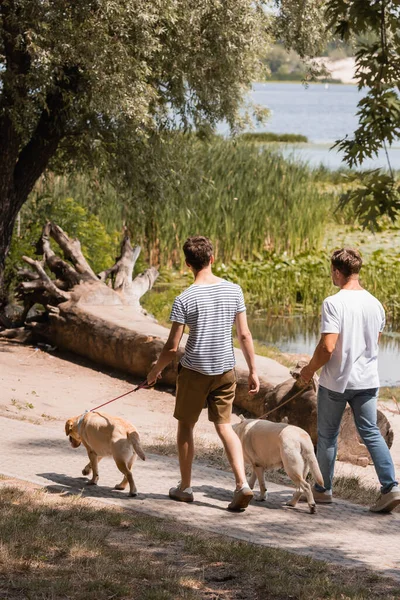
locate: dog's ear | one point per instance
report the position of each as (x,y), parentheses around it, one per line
(68,426)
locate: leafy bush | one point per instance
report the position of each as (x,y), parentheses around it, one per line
(99,246)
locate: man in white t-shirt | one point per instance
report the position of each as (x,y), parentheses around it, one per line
(352,322)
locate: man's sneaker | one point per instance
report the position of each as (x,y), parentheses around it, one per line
(319,497)
(241,499)
(387,502)
(185,495)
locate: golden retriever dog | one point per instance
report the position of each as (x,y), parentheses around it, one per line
(267,445)
(104,435)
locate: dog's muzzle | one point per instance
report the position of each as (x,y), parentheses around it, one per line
(74,443)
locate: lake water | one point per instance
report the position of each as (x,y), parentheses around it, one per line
(322,114)
(300,335)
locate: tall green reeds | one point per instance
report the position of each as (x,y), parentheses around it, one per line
(248,199)
(244,197)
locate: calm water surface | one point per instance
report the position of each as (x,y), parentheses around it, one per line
(323,114)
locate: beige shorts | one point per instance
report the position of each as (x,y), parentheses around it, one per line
(195,391)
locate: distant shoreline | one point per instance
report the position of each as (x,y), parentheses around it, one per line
(301,82)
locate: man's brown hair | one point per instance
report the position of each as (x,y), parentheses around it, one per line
(347,260)
(198,251)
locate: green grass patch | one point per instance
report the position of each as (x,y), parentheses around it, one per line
(268,136)
(65,547)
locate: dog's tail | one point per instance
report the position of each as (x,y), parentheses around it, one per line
(308,453)
(135,441)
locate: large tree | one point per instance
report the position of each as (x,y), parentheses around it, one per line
(79,79)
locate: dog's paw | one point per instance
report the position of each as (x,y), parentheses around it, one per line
(86,471)
(261,498)
(291,504)
(119,487)
(92,482)
(132,494)
(313,509)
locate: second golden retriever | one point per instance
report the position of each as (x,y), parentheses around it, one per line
(267,445)
(104,435)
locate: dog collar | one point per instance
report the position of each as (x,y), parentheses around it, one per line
(80,421)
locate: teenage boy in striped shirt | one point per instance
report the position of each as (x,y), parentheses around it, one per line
(206,376)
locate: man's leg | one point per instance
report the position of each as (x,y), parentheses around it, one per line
(364,407)
(191,393)
(233,449)
(331,406)
(185,445)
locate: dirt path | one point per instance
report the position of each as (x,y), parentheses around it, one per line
(47,388)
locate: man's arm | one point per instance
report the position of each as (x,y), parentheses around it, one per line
(167,353)
(246,345)
(321,356)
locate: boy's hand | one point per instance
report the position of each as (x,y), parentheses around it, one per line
(254,383)
(153,375)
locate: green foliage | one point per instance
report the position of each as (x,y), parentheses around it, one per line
(124,68)
(377,194)
(378,70)
(284,285)
(99,246)
(281,285)
(91,84)
(284,64)
(244,197)
(268,136)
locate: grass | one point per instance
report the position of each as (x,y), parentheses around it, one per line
(56,547)
(353,489)
(268,136)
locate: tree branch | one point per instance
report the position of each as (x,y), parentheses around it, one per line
(47,283)
(72,251)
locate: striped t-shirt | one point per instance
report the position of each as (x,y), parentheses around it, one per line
(209,311)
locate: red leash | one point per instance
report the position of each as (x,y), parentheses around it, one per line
(139,387)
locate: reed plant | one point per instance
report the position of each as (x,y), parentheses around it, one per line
(245,197)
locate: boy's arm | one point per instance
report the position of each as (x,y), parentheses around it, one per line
(168,352)
(246,345)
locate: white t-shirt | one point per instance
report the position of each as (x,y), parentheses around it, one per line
(358,317)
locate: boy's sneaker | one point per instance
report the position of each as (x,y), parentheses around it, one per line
(185,495)
(387,502)
(241,499)
(319,497)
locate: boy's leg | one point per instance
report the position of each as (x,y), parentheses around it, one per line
(185,445)
(220,403)
(331,406)
(234,453)
(364,407)
(191,393)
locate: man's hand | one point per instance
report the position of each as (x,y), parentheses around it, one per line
(254,383)
(306,374)
(153,375)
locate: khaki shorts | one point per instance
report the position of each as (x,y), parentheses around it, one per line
(195,391)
